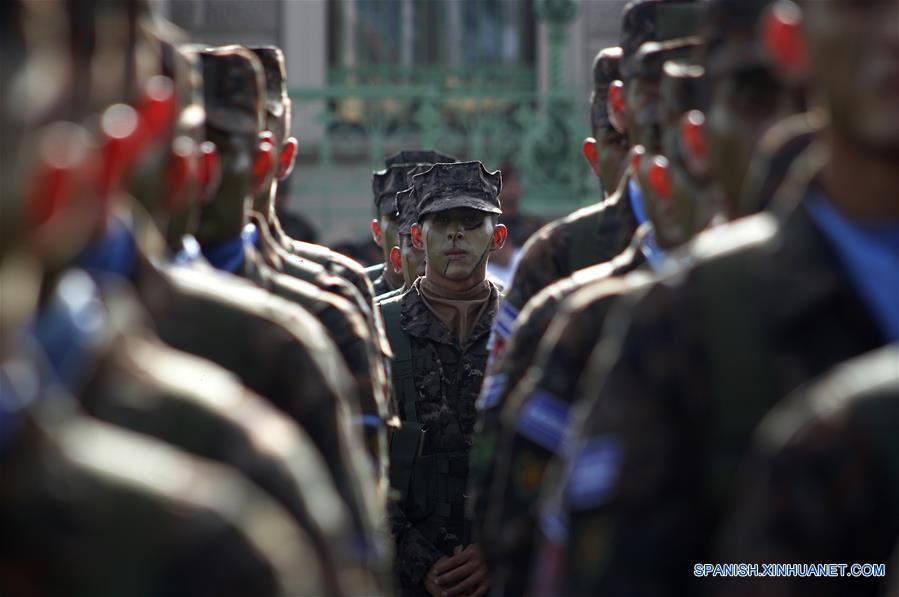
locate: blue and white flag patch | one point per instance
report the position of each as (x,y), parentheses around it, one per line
(594,473)
(544,420)
(505,320)
(492,390)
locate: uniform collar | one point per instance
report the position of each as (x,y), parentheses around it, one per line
(418,321)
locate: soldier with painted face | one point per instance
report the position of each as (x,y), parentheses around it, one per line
(526,441)
(597,233)
(64,336)
(187,304)
(345,325)
(439,331)
(284,147)
(385,228)
(406,257)
(710,375)
(606,152)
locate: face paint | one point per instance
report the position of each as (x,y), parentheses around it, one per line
(457,242)
(642,95)
(222,218)
(744,106)
(612,147)
(852,52)
(413,260)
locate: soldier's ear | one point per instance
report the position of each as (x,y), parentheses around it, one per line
(591,154)
(376,231)
(783,37)
(262,165)
(288,157)
(499,237)
(417,241)
(396,260)
(616,106)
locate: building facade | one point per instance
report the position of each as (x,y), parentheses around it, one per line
(503,81)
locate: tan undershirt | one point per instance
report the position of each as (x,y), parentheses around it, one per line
(458,311)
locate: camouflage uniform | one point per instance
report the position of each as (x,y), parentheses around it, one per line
(507,464)
(437,381)
(599,232)
(88,343)
(447,380)
(686,380)
(821,483)
(518,357)
(278,350)
(553,253)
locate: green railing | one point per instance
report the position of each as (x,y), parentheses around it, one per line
(491,113)
(345,133)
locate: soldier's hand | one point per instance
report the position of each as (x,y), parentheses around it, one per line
(462,574)
(431,585)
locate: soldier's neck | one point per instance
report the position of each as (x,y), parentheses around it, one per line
(456,286)
(862,183)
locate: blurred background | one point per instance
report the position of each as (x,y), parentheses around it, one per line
(496,80)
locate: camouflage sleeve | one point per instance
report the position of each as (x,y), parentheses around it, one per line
(511,368)
(813,486)
(415,555)
(543,261)
(632,482)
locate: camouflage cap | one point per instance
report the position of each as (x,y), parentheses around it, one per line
(407,202)
(234,89)
(463,184)
(418,156)
(655,20)
(731,32)
(385,184)
(272,59)
(605,71)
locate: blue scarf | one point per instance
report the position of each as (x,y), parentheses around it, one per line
(115,253)
(227,256)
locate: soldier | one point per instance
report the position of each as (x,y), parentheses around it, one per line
(278,117)
(344,323)
(606,152)
(819,483)
(406,257)
(534,416)
(438,332)
(67,347)
(302,372)
(385,185)
(599,232)
(717,362)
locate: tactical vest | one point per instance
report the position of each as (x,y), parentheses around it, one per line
(427,484)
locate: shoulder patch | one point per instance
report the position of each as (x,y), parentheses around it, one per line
(593,473)
(544,420)
(492,390)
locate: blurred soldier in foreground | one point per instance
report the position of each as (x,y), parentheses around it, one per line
(821,483)
(439,331)
(346,327)
(717,362)
(77,494)
(534,418)
(596,233)
(606,153)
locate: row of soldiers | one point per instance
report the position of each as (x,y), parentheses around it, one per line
(191,402)
(702,367)
(195,403)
